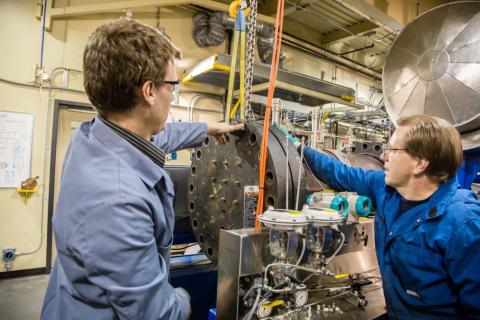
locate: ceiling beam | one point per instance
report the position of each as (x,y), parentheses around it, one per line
(269,7)
(349,32)
(119,6)
(301,31)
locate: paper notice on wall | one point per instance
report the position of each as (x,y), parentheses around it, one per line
(16,130)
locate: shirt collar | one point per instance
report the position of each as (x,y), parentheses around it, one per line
(441,197)
(144,166)
(146,147)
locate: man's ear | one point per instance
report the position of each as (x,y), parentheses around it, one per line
(148,91)
(421,166)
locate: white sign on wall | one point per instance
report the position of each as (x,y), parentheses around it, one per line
(16,130)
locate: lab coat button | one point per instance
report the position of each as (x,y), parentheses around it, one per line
(390,233)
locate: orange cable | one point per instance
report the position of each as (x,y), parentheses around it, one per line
(271,88)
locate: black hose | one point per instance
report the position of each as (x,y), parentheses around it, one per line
(208,30)
(265,37)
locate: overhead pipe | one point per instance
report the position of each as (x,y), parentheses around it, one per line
(332,57)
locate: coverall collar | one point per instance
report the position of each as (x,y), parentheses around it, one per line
(431,209)
(147,170)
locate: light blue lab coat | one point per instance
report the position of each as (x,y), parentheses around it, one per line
(113,227)
(429,256)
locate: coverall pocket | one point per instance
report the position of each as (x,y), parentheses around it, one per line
(421,273)
(164,248)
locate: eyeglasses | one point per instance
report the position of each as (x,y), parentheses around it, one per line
(386,149)
(175,85)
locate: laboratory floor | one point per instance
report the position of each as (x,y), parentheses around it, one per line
(22,298)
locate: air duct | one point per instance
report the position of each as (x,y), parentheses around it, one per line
(265,37)
(209,30)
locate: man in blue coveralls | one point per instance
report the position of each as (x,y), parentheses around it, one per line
(114,218)
(427,231)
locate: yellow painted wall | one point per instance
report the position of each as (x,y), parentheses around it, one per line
(20,34)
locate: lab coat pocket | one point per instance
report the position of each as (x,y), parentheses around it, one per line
(164,246)
(421,274)
(164,252)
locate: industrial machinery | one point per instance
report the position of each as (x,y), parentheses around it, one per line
(223,178)
(269,273)
(433,68)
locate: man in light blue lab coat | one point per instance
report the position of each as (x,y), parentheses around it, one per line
(427,230)
(114,218)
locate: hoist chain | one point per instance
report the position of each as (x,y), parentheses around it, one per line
(250,55)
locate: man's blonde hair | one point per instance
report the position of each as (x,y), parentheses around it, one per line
(435,140)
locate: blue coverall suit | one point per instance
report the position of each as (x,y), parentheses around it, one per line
(113,228)
(429,256)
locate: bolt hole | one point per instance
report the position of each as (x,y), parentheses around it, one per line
(224,212)
(194,170)
(207,141)
(364,146)
(353,149)
(269,176)
(210,252)
(191,187)
(199,154)
(192,206)
(195,223)
(201,239)
(270,201)
(377,148)
(253,138)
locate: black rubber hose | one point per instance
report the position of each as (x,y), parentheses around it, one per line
(208,30)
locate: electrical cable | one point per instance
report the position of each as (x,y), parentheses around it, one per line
(302,253)
(300,173)
(271,88)
(249,315)
(337,250)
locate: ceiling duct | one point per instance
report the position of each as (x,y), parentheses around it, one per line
(210,30)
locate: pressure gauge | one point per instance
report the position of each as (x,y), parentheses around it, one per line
(264,309)
(301,298)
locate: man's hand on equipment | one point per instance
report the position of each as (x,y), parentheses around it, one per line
(221,129)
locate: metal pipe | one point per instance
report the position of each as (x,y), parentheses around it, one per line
(43,32)
(315,120)
(332,57)
(356,50)
(276,107)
